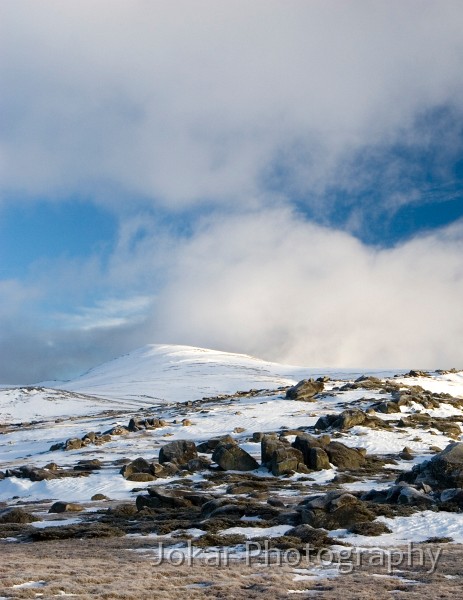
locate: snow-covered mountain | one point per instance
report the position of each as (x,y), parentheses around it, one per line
(164,374)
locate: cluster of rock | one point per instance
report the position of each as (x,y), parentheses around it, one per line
(136,424)
(91,438)
(350,418)
(52,471)
(370,383)
(307,453)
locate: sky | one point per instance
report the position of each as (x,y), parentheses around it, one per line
(281,178)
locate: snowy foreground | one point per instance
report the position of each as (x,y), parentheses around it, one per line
(193,392)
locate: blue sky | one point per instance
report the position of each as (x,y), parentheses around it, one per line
(281,178)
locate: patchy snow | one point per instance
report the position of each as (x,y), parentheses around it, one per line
(257,532)
(418,527)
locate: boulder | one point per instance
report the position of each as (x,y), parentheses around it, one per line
(318,459)
(179,452)
(443,471)
(139,465)
(269,443)
(343,457)
(211,445)
(231,457)
(72,444)
(61,507)
(286,460)
(305,390)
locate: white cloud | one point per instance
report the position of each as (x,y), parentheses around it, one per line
(195,100)
(276,286)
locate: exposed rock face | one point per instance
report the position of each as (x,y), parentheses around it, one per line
(305,390)
(179,452)
(314,455)
(231,457)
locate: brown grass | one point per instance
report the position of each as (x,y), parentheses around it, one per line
(110,569)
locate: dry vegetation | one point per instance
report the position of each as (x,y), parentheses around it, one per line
(112,569)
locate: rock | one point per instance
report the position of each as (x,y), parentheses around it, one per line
(386,407)
(158,499)
(51,466)
(317,538)
(452,495)
(285,460)
(447,466)
(305,390)
(61,507)
(350,418)
(89,438)
(186,423)
(102,439)
(179,452)
(141,477)
(370,529)
(231,457)
(117,430)
(58,446)
(16,515)
(337,510)
(268,445)
(139,465)
(88,465)
(198,464)
(72,444)
(304,442)
(212,444)
(406,454)
(343,457)
(318,459)
(98,497)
